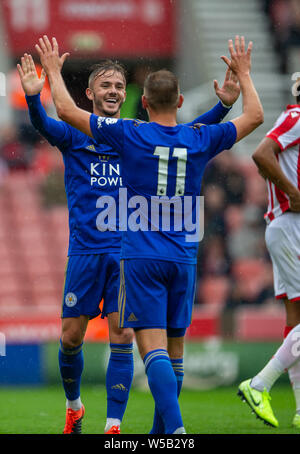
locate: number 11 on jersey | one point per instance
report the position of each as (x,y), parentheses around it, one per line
(164,155)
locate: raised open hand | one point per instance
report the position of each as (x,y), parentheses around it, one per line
(230,90)
(32,84)
(240,58)
(49,54)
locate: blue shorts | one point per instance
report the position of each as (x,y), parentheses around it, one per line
(156,294)
(88,280)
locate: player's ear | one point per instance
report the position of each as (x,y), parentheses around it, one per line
(89,94)
(180,101)
(144,102)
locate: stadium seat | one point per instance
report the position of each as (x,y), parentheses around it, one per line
(251,273)
(59,216)
(205,323)
(43,282)
(31,247)
(4,250)
(259,324)
(47,304)
(9,286)
(38,266)
(12,305)
(213,290)
(6,266)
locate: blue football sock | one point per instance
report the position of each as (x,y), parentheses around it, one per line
(177,365)
(119,377)
(163,385)
(71,367)
(158,425)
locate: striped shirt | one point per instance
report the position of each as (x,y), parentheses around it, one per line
(286,133)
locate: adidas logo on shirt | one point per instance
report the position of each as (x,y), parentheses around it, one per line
(91,147)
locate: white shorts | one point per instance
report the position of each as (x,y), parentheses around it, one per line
(283,243)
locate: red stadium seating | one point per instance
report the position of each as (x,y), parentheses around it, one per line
(255,324)
(213,290)
(33,247)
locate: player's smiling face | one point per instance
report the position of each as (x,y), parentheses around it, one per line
(108,93)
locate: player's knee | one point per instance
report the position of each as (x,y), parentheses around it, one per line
(292,313)
(71,339)
(121,336)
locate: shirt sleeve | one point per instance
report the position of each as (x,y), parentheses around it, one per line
(213,116)
(286,132)
(109,131)
(58,133)
(220,137)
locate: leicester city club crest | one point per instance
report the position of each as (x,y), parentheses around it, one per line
(70,299)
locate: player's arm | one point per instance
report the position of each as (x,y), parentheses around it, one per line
(267,164)
(212,116)
(240,64)
(228,94)
(57,133)
(65,106)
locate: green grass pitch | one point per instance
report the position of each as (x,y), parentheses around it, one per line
(219,411)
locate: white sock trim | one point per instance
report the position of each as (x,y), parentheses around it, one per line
(74,404)
(268,375)
(112,422)
(180,430)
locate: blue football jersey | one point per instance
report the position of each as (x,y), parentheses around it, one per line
(91,171)
(162,169)
(92,180)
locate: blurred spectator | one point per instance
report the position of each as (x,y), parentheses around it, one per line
(285,23)
(257,290)
(257,194)
(46,159)
(213,257)
(246,240)
(212,249)
(233,250)
(53,189)
(224,171)
(239,295)
(13,151)
(48,163)
(214,206)
(266,295)
(293,34)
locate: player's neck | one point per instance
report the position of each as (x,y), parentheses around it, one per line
(164,119)
(100,113)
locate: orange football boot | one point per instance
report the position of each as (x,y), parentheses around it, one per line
(73,421)
(113,430)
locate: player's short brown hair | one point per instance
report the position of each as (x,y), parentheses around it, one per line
(161,88)
(105,66)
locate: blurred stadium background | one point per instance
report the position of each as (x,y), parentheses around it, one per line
(237,323)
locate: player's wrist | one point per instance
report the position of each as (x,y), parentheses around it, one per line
(243,74)
(227,106)
(32,96)
(53,72)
